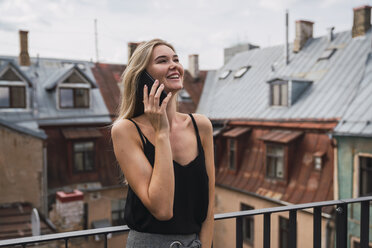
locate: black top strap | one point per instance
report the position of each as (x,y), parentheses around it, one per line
(196,131)
(139,132)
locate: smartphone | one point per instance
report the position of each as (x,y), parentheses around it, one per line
(145,78)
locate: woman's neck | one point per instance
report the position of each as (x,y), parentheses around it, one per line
(172,109)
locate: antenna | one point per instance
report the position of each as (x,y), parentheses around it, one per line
(286,38)
(96,38)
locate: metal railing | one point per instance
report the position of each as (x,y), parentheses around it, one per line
(341,225)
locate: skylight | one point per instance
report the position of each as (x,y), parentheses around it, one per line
(239,73)
(224,74)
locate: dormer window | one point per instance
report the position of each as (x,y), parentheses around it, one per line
(234,140)
(286,91)
(279,93)
(12,90)
(74,92)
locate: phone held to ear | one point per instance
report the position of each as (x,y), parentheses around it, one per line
(146,79)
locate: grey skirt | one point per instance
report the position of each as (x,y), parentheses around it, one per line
(152,240)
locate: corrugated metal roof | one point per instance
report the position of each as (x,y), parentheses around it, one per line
(281,136)
(81,133)
(42,104)
(357,120)
(335,81)
(236,131)
(38,133)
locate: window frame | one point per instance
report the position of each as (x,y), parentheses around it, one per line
(74,88)
(93,154)
(120,220)
(282,87)
(283,157)
(250,220)
(232,154)
(356,173)
(11,85)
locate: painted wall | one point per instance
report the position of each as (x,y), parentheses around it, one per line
(21,165)
(347,175)
(229,201)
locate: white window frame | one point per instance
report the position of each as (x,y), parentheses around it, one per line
(356,169)
(282,87)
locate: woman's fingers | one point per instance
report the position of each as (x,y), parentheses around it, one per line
(153,91)
(165,102)
(145,95)
(157,95)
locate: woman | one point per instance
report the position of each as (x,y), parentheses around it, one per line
(166,156)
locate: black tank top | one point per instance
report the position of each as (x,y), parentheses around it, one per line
(191,196)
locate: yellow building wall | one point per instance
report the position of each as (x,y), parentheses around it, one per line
(229,201)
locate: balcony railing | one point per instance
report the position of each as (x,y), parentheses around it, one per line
(341,225)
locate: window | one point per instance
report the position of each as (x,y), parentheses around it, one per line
(117,212)
(73,97)
(275,161)
(12,91)
(248,225)
(224,74)
(283,232)
(279,93)
(83,156)
(239,73)
(365,176)
(232,154)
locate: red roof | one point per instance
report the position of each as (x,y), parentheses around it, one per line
(15,221)
(193,86)
(107,77)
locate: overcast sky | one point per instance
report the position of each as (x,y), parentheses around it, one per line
(65,28)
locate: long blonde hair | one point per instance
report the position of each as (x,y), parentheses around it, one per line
(136,65)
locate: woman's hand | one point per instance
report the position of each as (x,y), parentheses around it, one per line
(155,113)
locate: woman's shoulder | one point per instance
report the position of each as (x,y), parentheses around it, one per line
(122,127)
(204,124)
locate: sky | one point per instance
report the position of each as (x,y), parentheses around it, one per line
(66,28)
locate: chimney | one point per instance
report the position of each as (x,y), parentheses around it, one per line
(304,31)
(194,65)
(131,47)
(24,58)
(330,35)
(362,20)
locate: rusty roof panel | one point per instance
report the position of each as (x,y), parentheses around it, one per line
(236,131)
(281,136)
(305,183)
(81,133)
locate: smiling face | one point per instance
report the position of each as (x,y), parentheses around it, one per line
(165,67)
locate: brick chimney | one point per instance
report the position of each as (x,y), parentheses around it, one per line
(131,47)
(194,65)
(24,58)
(69,212)
(304,31)
(362,20)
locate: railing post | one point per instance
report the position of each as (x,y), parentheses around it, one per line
(239,232)
(105,245)
(267,230)
(317,227)
(293,229)
(66,243)
(341,225)
(364,224)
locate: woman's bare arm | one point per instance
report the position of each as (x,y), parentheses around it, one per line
(154,186)
(206,134)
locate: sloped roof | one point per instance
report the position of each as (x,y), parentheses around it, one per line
(335,80)
(107,77)
(38,133)
(7,64)
(45,72)
(357,120)
(15,221)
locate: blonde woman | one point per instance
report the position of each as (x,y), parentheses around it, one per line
(166,156)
